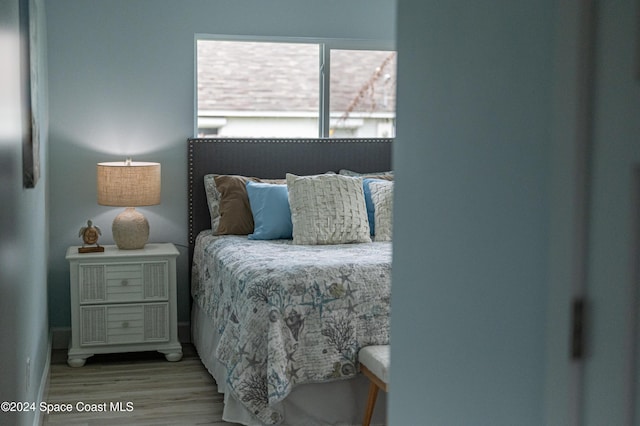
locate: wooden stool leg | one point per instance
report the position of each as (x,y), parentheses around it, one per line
(371,402)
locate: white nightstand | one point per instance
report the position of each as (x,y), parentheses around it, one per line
(123,301)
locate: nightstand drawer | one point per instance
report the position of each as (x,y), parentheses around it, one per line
(122,324)
(125,324)
(123,282)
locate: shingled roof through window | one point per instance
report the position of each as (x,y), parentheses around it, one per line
(283,77)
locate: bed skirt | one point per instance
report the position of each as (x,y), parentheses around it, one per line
(339,403)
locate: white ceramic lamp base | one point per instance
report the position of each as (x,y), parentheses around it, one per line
(130,229)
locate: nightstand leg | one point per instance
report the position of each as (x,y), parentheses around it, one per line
(77,361)
(172,356)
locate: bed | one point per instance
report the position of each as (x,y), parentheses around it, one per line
(278,321)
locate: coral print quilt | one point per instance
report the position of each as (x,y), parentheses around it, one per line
(290,314)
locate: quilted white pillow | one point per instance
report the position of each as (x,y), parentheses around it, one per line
(327,209)
(213,201)
(382,197)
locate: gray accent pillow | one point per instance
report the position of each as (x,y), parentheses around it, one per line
(373,175)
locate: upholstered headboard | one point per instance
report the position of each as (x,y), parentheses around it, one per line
(273,158)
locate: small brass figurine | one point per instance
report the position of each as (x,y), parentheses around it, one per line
(90,235)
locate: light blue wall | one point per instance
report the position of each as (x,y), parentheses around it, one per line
(24,327)
(600,389)
(616,152)
(561,372)
(122,82)
(471,212)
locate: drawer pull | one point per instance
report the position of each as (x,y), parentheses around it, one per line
(125,282)
(125,324)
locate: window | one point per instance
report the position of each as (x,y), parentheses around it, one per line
(293,89)
(362,93)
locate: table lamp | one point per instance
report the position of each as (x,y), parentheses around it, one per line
(129,184)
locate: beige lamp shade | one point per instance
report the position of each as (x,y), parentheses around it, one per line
(128,184)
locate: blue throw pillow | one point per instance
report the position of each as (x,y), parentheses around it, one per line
(271,212)
(369,203)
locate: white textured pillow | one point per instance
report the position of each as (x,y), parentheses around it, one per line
(382,197)
(213,200)
(327,209)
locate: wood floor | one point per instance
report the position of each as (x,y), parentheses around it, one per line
(148,389)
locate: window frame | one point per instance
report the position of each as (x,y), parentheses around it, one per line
(325,45)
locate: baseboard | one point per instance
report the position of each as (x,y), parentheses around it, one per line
(62,335)
(43,390)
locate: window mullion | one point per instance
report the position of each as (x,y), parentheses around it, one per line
(325,76)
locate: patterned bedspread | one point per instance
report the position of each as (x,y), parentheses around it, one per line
(290,314)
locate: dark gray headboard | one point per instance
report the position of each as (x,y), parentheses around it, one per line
(273,158)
